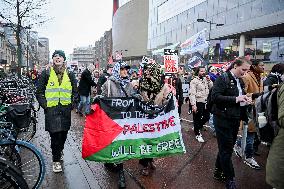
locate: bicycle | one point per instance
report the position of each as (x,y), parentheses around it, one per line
(25,156)
(11,176)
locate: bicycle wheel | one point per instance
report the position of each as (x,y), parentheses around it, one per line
(26,134)
(10,177)
(29,160)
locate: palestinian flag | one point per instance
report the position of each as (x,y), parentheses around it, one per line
(125,128)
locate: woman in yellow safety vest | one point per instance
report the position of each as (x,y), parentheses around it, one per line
(57,88)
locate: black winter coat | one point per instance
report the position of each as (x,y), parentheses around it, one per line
(57,118)
(271,79)
(102,79)
(224,97)
(86,82)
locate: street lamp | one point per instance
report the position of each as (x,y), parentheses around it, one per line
(210,23)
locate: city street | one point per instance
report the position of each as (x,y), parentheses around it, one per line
(191,170)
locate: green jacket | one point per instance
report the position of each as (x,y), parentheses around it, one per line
(275,160)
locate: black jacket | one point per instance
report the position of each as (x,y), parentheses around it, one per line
(271,79)
(57,118)
(86,82)
(102,79)
(179,91)
(224,93)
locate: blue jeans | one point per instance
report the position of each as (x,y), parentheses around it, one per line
(84,104)
(249,146)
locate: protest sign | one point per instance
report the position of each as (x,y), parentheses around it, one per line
(196,43)
(127,128)
(170,61)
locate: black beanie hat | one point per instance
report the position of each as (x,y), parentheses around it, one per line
(60,53)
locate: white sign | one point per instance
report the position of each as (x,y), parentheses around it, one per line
(196,43)
(171,64)
(185,89)
(266,47)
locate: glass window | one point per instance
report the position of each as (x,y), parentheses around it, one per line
(281,4)
(244,12)
(232,16)
(222,6)
(216,7)
(210,8)
(256,9)
(241,2)
(270,6)
(200,10)
(232,3)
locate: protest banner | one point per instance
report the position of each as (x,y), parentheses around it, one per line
(195,61)
(171,61)
(126,128)
(196,43)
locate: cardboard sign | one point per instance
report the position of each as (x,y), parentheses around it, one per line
(171,61)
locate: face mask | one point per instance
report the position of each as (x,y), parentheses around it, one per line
(282,77)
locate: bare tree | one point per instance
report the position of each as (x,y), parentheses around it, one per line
(22,14)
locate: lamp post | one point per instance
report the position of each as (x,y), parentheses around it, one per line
(210,25)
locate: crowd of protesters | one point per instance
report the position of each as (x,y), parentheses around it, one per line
(224,99)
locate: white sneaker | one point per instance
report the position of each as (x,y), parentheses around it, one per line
(57,167)
(238,151)
(252,163)
(199,138)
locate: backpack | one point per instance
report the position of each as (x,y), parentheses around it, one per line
(210,102)
(267,104)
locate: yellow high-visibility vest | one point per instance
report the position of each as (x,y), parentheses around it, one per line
(55,93)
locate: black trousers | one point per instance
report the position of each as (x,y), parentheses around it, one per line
(57,144)
(200,117)
(226,133)
(145,162)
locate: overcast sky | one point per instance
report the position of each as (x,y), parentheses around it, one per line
(76,23)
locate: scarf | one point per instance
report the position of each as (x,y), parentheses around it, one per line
(59,70)
(151,85)
(116,74)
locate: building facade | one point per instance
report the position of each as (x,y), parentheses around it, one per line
(103,49)
(130,29)
(84,56)
(43,51)
(250,27)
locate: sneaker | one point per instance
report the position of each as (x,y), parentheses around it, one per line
(238,151)
(199,138)
(231,184)
(57,167)
(219,175)
(252,163)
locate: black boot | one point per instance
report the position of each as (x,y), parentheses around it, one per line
(219,175)
(121,182)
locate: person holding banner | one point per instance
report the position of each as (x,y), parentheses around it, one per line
(118,85)
(199,90)
(155,93)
